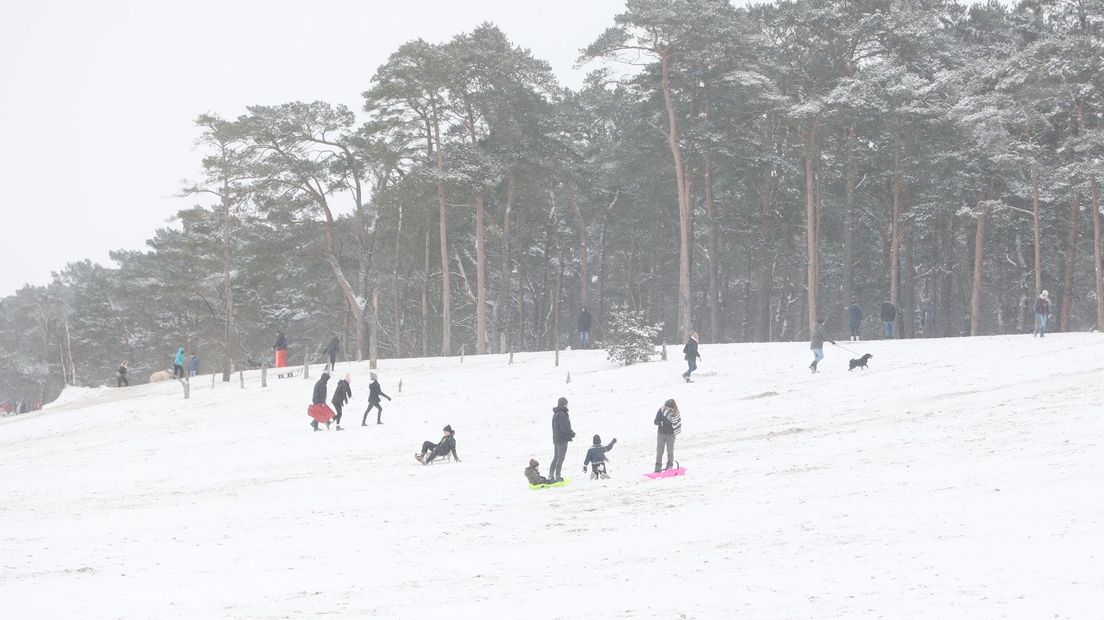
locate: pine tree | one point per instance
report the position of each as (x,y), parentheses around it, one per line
(631,336)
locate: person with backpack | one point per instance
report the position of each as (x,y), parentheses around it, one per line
(854,319)
(1042,313)
(669,421)
(889,316)
(374,393)
(690,353)
(816,343)
(342,393)
(561,435)
(596,458)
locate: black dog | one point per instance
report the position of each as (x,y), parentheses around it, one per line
(859,363)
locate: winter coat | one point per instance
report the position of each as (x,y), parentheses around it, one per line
(446,445)
(669,421)
(1042,305)
(854,315)
(333,347)
(374,392)
(122,371)
(584,321)
(193,364)
(690,351)
(534,477)
(179,359)
(597,454)
(818,339)
(889,312)
(561,426)
(342,393)
(320,390)
(281,342)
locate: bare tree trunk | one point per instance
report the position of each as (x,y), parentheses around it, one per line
(1038,231)
(373,340)
(584,276)
(811,233)
(480,279)
(397,318)
(1098,260)
(849,221)
(895,230)
(500,303)
(714,254)
(979,263)
(556,304)
(1071,257)
(227,292)
(446,290)
(521,306)
(1023,303)
(684,310)
(425,299)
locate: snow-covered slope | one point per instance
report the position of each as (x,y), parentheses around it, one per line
(955,478)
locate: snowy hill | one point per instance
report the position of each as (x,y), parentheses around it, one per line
(955,478)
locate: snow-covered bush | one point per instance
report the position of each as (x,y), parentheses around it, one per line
(630,337)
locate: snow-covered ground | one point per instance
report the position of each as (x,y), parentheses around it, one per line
(957,478)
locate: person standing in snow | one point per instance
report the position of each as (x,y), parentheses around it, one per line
(596,457)
(690,353)
(342,393)
(854,319)
(318,403)
(561,435)
(669,421)
(1042,313)
(889,316)
(178,364)
(432,450)
(122,375)
(280,349)
(193,365)
(374,393)
(817,344)
(927,319)
(332,349)
(584,328)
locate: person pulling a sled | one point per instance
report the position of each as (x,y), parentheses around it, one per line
(318,409)
(669,421)
(342,393)
(431,450)
(374,393)
(532,474)
(596,458)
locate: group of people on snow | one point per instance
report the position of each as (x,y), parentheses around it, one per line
(321,412)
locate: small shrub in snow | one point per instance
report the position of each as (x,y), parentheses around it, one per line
(630,337)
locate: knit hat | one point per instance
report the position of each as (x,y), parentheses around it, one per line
(597,440)
(325,376)
(562,402)
(448,428)
(348,378)
(372,375)
(1045,295)
(670,403)
(533,463)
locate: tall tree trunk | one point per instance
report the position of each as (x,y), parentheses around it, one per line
(714,254)
(227,291)
(763,331)
(684,310)
(446,289)
(521,307)
(556,303)
(895,229)
(373,339)
(1038,231)
(500,302)
(1098,260)
(849,221)
(979,264)
(425,298)
(397,318)
(812,242)
(480,279)
(584,276)
(1071,258)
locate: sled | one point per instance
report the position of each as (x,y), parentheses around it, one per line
(321,413)
(550,484)
(667,473)
(447,458)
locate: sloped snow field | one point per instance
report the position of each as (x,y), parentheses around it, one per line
(957,478)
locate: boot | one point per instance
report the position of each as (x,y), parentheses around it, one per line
(658,468)
(314,425)
(339,427)
(669,465)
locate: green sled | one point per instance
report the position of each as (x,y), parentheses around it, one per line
(554,484)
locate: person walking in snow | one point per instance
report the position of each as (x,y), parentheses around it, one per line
(669,421)
(431,450)
(584,328)
(193,365)
(690,353)
(318,409)
(342,393)
(280,350)
(561,435)
(1042,313)
(596,458)
(374,393)
(122,375)
(817,344)
(854,319)
(889,316)
(178,364)
(332,349)
(532,473)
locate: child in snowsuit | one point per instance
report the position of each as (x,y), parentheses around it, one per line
(342,394)
(432,450)
(597,456)
(532,474)
(374,393)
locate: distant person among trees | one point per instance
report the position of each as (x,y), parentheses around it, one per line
(584,328)
(927,319)
(332,349)
(690,352)
(431,450)
(1042,313)
(178,364)
(280,348)
(342,393)
(122,381)
(854,319)
(889,316)
(816,343)
(561,435)
(193,365)
(374,393)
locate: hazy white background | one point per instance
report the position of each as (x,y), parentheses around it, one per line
(97,99)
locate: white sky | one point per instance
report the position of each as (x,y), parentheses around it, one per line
(97,98)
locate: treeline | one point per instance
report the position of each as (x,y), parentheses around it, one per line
(739,170)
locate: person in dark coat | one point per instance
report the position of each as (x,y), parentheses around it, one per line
(816,343)
(561,434)
(669,421)
(584,328)
(342,393)
(280,349)
(319,396)
(1042,313)
(532,473)
(374,393)
(332,349)
(193,365)
(122,375)
(596,457)
(927,319)
(432,450)
(690,353)
(854,319)
(889,315)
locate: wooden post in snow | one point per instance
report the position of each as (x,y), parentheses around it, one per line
(264,375)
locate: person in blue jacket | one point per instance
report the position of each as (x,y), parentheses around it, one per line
(193,365)
(596,458)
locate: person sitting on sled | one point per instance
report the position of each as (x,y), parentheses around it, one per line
(532,474)
(597,455)
(432,450)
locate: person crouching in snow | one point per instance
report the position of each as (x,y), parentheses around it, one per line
(432,450)
(532,474)
(596,458)
(342,394)
(319,410)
